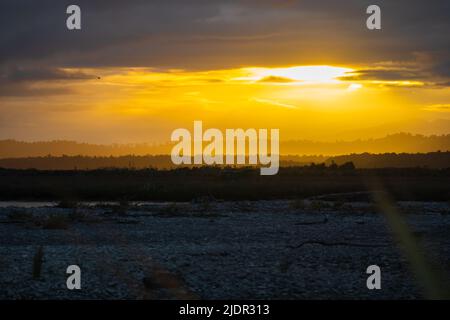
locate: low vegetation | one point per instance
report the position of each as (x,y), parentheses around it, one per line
(298,204)
(174,210)
(20,215)
(56,221)
(68,204)
(185,184)
(38,259)
(77,216)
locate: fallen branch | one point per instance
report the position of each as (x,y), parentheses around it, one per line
(335,244)
(324,221)
(12,221)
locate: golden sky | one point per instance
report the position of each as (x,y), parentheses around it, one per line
(318,102)
(310,69)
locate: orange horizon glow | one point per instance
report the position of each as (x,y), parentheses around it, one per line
(313,102)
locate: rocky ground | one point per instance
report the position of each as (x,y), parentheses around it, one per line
(221,250)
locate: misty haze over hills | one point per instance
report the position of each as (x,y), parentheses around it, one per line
(395,143)
(394,151)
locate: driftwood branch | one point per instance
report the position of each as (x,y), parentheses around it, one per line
(324,221)
(335,244)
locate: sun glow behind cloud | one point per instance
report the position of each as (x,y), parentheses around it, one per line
(310,102)
(249,87)
(299,74)
(354,87)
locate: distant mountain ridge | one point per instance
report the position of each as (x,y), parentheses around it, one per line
(395,143)
(21,149)
(434,160)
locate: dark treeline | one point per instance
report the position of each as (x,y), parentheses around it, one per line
(122,162)
(88,163)
(20,149)
(388,160)
(185,184)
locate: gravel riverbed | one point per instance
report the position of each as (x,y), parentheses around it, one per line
(221,250)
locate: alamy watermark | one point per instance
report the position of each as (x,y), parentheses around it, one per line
(74,280)
(374,280)
(374,20)
(73,22)
(235,147)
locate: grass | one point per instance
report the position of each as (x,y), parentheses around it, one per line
(446,211)
(18,215)
(120,209)
(338,205)
(199,210)
(232,184)
(38,259)
(68,204)
(56,222)
(298,204)
(206,207)
(245,206)
(319,205)
(77,216)
(174,210)
(124,203)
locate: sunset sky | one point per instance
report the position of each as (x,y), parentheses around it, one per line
(140,69)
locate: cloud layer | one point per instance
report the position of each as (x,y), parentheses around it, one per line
(218,33)
(164,61)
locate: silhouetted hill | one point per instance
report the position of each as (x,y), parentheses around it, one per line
(20,149)
(393,160)
(398,143)
(88,163)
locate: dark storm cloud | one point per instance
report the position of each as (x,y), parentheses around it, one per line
(25,90)
(385,75)
(42,74)
(15,81)
(442,68)
(220,34)
(431,69)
